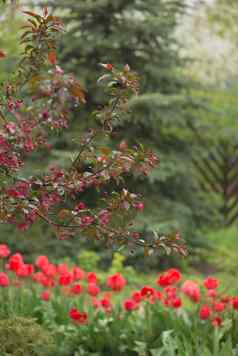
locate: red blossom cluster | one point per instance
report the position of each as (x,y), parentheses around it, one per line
(73,283)
(25,131)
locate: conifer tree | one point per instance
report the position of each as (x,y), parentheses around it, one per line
(141,34)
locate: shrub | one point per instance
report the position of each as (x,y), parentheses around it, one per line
(24,337)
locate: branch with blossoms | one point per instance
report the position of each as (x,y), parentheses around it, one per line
(38,100)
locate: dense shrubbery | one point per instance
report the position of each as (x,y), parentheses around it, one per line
(24,337)
(90,313)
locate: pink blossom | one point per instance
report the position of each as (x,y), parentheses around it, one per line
(4,251)
(191,290)
(4,280)
(86,220)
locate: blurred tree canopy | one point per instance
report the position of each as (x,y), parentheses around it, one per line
(213,49)
(223,16)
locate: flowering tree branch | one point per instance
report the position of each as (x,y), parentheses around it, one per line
(39,99)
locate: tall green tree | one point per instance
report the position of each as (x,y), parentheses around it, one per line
(142,34)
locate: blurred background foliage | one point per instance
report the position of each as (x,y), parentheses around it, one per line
(185,53)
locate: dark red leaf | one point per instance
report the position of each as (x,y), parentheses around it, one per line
(52,57)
